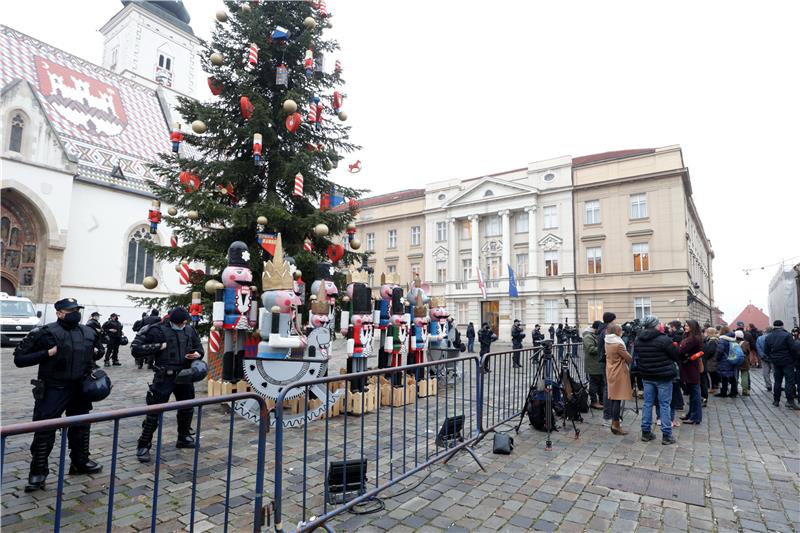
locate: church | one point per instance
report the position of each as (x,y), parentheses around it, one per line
(76,143)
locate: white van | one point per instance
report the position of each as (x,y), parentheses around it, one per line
(17,318)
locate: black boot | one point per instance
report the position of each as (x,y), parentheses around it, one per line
(185,439)
(792,405)
(228,364)
(143,454)
(106,363)
(117,363)
(79,452)
(149,426)
(40,451)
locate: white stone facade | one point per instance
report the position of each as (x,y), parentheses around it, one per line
(783,304)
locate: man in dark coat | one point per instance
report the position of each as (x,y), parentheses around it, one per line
(517,336)
(486,337)
(113,331)
(656,359)
(147,320)
(779,348)
(471,338)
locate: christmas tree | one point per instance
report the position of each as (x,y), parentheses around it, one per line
(246,158)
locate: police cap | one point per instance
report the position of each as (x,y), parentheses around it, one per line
(67,304)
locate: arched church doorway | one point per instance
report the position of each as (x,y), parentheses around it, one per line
(22,256)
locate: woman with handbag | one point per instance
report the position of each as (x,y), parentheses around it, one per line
(617,375)
(690,352)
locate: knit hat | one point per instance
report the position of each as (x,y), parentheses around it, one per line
(650,321)
(739,334)
(778,323)
(178,315)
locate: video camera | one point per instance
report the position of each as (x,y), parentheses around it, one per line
(631,329)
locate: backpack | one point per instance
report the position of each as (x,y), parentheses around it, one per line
(735,354)
(536,406)
(577,398)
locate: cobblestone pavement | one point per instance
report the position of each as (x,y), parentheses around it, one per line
(745,452)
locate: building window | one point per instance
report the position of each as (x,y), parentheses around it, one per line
(415,269)
(15,140)
(391,269)
(549,177)
(488,193)
(521,223)
(140,261)
(415,235)
(551,311)
(370,242)
(641,257)
(441,197)
(641,306)
(441,271)
(392,238)
(466,229)
(466,269)
(593,212)
(441,231)
(461,313)
(371,279)
(492,226)
(518,310)
(594,259)
(522,265)
(550,217)
(165,62)
(114,54)
(551,263)
(638,206)
(493,268)
(595,310)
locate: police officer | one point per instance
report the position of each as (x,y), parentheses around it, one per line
(65,351)
(113,330)
(94,323)
(173,346)
(146,320)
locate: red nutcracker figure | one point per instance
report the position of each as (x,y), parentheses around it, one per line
(154,216)
(196,309)
(337,101)
(308,62)
(176,137)
(257,148)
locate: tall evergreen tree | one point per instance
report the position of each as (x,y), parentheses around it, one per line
(235,190)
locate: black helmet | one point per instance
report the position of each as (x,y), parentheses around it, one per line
(197,372)
(97,386)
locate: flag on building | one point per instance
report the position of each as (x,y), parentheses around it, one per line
(481,284)
(512,283)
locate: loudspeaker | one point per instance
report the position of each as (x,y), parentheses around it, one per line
(450,432)
(347,476)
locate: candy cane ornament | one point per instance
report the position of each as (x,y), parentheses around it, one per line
(298,184)
(308,245)
(252,55)
(173,241)
(185,273)
(337,101)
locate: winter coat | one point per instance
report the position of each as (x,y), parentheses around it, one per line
(690,370)
(745,366)
(591,354)
(617,373)
(710,353)
(470,331)
(725,369)
(486,337)
(116,334)
(516,337)
(601,341)
(778,347)
(655,356)
(760,342)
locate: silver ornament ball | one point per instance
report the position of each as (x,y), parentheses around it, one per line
(342,116)
(262,220)
(289,106)
(351,225)
(222,15)
(172,211)
(321,230)
(199,127)
(355,244)
(310,23)
(192,215)
(217,59)
(211,287)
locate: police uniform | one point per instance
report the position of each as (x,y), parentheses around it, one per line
(113,329)
(59,387)
(167,363)
(146,320)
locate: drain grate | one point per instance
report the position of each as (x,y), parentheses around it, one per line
(655,484)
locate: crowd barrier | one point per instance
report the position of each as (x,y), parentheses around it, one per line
(28,428)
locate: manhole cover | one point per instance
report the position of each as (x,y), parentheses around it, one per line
(655,484)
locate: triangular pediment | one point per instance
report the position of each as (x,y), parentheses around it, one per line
(488,189)
(551,242)
(440,253)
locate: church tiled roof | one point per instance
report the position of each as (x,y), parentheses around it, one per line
(102,118)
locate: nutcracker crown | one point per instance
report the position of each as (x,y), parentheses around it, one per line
(392,278)
(357,276)
(277,274)
(420,311)
(438,301)
(320,306)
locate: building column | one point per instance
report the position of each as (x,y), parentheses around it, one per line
(533,261)
(452,252)
(506,255)
(475,227)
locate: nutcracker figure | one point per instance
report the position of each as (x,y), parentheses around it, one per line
(324,277)
(381,315)
(154,216)
(439,329)
(280,333)
(196,309)
(176,137)
(418,341)
(397,335)
(357,325)
(235,310)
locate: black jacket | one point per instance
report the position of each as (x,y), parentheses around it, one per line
(95,325)
(179,343)
(516,337)
(470,331)
(655,356)
(601,343)
(79,347)
(778,347)
(116,326)
(486,337)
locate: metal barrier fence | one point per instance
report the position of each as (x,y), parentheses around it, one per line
(416,429)
(160,409)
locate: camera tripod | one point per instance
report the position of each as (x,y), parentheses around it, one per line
(545,367)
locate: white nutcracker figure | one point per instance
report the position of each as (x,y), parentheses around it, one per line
(235,310)
(277,323)
(382,315)
(324,277)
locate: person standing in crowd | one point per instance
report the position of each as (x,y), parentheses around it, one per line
(676,333)
(690,361)
(766,365)
(744,368)
(113,331)
(138,324)
(655,360)
(65,351)
(618,375)
(485,338)
(710,358)
(779,347)
(517,336)
(729,388)
(796,352)
(147,320)
(552,331)
(608,319)
(537,336)
(751,336)
(471,338)
(174,347)
(94,323)
(592,365)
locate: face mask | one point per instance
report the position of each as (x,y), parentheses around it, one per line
(72,318)
(177,327)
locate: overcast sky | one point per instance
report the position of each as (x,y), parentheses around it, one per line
(446,89)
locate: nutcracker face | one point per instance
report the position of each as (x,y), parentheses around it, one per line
(398,320)
(421,321)
(318,321)
(439,314)
(365,321)
(285,300)
(330,289)
(386,291)
(236,276)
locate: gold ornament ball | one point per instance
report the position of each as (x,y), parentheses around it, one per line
(310,23)
(327,165)
(150,283)
(172,211)
(192,215)
(222,15)
(275,309)
(217,59)
(351,225)
(262,220)
(345,298)
(211,287)
(246,8)
(355,244)
(220,285)
(342,116)
(199,127)
(289,106)
(321,230)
